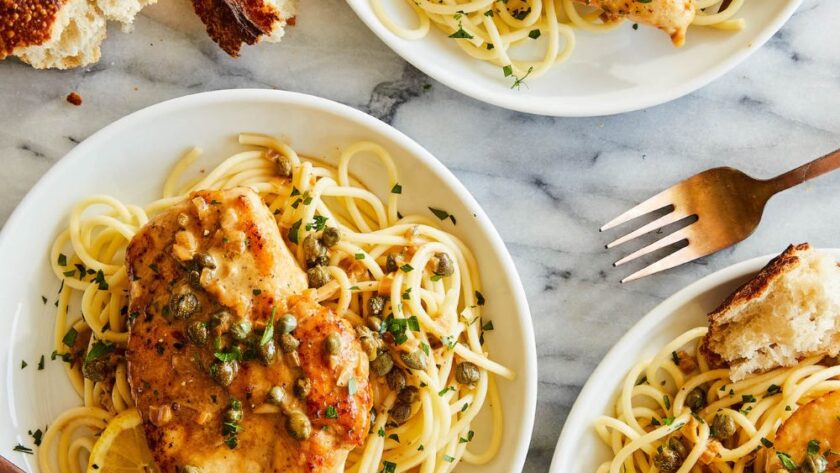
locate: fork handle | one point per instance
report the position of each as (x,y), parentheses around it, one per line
(807,171)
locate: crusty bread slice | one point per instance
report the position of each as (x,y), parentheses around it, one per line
(60,34)
(233,22)
(790,310)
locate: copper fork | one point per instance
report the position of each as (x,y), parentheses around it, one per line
(727,204)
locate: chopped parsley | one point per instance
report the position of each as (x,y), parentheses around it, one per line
(787,462)
(748,398)
(667,401)
(397,189)
(98,350)
(406,268)
(70,337)
(448,459)
(469,437)
(381,432)
(41,363)
(774,389)
(22,449)
(445,390)
(23,364)
(268,333)
(534,34)
(319,223)
(443,214)
(517,84)
(330,413)
(394,437)
(766,442)
(62,259)
(488,326)
(413,323)
(293,232)
(813,447)
(388,467)
(479,298)
(100,279)
(359,256)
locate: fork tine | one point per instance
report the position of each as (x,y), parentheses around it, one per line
(662,221)
(683,255)
(678,235)
(656,202)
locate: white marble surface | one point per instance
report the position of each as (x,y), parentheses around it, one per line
(546,183)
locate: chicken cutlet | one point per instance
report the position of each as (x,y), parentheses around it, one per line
(671,16)
(810,436)
(231,365)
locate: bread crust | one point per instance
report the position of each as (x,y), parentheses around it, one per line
(752,289)
(230,23)
(26,23)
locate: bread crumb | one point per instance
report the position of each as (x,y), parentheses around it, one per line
(74,98)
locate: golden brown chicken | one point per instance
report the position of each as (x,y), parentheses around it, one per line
(671,16)
(231,365)
(811,435)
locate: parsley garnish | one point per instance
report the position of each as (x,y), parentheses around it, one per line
(62,259)
(70,337)
(406,268)
(23,364)
(413,324)
(41,363)
(293,232)
(388,467)
(359,256)
(100,279)
(479,298)
(488,326)
(268,334)
(448,458)
(766,442)
(774,389)
(22,449)
(330,413)
(787,462)
(748,398)
(98,350)
(813,447)
(397,189)
(521,80)
(469,438)
(394,437)
(318,224)
(534,34)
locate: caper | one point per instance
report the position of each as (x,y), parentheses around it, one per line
(204,260)
(330,236)
(183,305)
(221,319)
(276,395)
(314,252)
(415,360)
(676,445)
(302,387)
(233,415)
(396,379)
(332,344)
(409,394)
(223,372)
(814,463)
(375,306)
(194,279)
(382,364)
(391,264)
(374,323)
(696,399)
(443,265)
(370,344)
(287,323)
(298,426)
(268,352)
(722,427)
(284,166)
(288,343)
(198,333)
(191,469)
(667,460)
(467,373)
(318,276)
(241,329)
(96,370)
(400,413)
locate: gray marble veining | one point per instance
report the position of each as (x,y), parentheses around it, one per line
(546,183)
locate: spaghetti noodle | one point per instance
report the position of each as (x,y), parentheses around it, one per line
(448,310)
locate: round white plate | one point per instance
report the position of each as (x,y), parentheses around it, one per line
(613,72)
(129,159)
(579,448)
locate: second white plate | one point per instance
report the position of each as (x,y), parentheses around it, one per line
(613,72)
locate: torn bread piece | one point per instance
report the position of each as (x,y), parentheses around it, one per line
(230,23)
(60,34)
(790,310)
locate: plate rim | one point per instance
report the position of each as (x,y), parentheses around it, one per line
(538,106)
(17,218)
(578,414)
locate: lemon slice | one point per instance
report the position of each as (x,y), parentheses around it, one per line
(122,447)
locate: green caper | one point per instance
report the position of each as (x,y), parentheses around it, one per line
(191,469)
(332,344)
(375,306)
(314,252)
(396,379)
(302,387)
(391,264)
(298,426)
(288,343)
(722,427)
(268,352)
(330,236)
(415,360)
(696,399)
(443,265)
(370,343)
(400,413)
(676,445)
(814,463)
(284,166)
(408,395)
(318,276)
(198,333)
(233,415)
(241,329)
(382,364)
(221,319)
(287,323)
(204,260)
(467,373)
(276,395)
(183,305)
(96,370)
(374,323)
(223,372)
(667,460)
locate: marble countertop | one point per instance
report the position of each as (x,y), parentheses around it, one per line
(546,183)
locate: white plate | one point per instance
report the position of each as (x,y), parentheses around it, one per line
(608,73)
(579,448)
(129,159)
